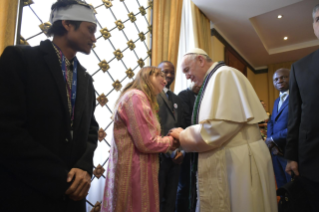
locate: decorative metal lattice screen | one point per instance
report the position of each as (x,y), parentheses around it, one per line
(121,50)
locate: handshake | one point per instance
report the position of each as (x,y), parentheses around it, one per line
(178,156)
(175,134)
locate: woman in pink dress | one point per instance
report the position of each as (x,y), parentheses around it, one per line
(132,175)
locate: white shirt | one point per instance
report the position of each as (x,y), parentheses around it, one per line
(165,89)
(286,92)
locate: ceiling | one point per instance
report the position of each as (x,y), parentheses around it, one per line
(252,28)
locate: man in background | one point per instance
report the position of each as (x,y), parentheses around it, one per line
(48,132)
(277,127)
(171,115)
(303,127)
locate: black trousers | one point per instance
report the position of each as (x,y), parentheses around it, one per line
(15,196)
(168,182)
(182,199)
(312,189)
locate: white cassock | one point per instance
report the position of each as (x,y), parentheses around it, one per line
(235,171)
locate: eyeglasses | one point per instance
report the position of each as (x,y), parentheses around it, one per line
(280,78)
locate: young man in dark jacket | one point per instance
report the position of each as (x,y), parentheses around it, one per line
(48,132)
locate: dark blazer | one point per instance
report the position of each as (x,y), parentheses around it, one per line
(37,150)
(277,125)
(171,115)
(188,97)
(303,123)
(184,187)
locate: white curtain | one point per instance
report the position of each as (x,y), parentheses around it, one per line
(188,40)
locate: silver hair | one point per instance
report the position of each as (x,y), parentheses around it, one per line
(194,55)
(315,9)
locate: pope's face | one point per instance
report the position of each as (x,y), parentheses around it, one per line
(193,70)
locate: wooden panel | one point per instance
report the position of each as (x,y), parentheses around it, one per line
(214,33)
(232,59)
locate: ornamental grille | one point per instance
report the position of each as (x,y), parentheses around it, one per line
(122,48)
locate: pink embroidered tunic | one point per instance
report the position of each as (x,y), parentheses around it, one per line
(132,174)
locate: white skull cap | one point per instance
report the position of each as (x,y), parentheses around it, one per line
(75,12)
(196,51)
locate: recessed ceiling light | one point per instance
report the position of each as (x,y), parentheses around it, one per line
(279,16)
(285,38)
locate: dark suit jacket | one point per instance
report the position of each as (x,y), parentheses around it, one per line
(277,124)
(188,97)
(303,124)
(170,116)
(37,150)
(184,187)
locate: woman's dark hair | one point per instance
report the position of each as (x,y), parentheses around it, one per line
(57,28)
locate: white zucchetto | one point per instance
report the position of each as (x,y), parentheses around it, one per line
(196,51)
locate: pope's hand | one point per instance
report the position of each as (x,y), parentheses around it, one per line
(175,132)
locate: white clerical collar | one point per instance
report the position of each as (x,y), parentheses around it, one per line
(165,89)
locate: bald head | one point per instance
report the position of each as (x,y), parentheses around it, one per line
(281,79)
(283,70)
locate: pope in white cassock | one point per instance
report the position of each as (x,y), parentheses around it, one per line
(234,170)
